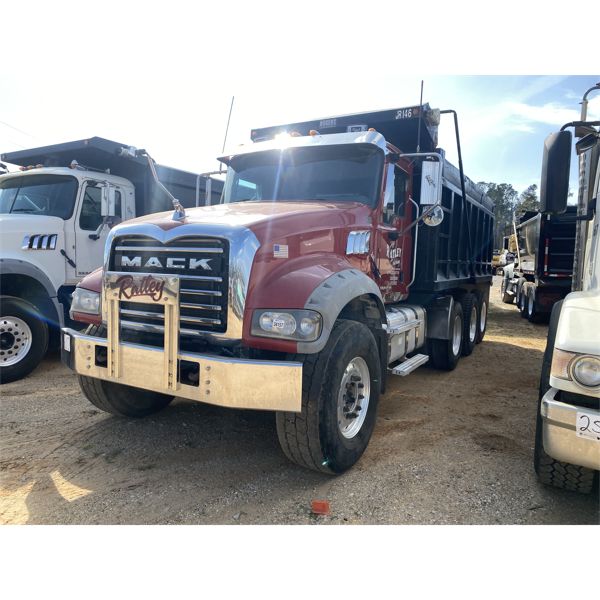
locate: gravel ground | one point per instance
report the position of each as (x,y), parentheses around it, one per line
(450,448)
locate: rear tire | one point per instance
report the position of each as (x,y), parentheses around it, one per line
(470,323)
(23,338)
(329,434)
(118,399)
(533,315)
(522,302)
(506,297)
(550,471)
(446,353)
(482,314)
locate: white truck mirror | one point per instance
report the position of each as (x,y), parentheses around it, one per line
(431,182)
(108,203)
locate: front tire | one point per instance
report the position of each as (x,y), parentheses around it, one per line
(117,399)
(340,393)
(23,338)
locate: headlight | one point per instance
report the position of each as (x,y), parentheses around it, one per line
(299,325)
(586,371)
(85,301)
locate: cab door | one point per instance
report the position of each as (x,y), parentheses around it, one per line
(394,240)
(89,250)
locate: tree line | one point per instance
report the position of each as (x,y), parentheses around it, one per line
(509,205)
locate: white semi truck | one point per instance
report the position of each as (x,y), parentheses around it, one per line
(567,442)
(55,214)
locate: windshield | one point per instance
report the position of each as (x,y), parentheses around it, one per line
(47,195)
(349,173)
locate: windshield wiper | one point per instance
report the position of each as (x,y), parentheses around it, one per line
(27,210)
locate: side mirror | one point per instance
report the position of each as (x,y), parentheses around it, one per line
(435,217)
(431,182)
(556,163)
(108,202)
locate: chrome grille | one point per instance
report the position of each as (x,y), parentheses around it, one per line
(202,266)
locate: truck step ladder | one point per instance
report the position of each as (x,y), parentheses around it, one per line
(409,365)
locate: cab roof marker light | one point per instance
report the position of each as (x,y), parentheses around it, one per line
(313,132)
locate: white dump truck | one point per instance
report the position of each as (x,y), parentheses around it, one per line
(567,442)
(55,214)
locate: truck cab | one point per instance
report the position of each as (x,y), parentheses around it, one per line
(567,443)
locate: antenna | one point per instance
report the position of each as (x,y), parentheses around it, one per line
(226,131)
(420,119)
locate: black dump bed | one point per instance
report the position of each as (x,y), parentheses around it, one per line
(400,126)
(547,246)
(460,249)
(105,155)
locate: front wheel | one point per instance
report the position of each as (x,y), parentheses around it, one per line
(340,393)
(23,338)
(118,399)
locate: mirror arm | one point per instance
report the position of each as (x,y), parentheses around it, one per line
(96,235)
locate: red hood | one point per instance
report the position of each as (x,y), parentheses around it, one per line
(270,220)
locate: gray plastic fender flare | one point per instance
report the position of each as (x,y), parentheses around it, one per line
(331,296)
(12,266)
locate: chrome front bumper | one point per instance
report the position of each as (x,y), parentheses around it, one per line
(560,440)
(236,383)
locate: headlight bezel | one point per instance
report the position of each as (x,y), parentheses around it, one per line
(579,360)
(85,301)
(564,364)
(299,316)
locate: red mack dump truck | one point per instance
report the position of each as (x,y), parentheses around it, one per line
(343,250)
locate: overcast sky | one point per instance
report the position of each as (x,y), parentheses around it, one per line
(161,76)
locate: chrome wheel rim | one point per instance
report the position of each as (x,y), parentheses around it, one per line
(456,335)
(353,397)
(473,324)
(15,340)
(482,317)
(530,304)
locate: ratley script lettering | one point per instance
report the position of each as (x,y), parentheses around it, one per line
(148,286)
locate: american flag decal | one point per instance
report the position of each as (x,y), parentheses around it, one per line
(280,251)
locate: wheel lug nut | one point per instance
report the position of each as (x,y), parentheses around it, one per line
(360,385)
(358,408)
(355,378)
(361,397)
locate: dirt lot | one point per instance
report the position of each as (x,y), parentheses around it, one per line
(448,448)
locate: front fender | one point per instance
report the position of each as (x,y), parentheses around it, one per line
(324,283)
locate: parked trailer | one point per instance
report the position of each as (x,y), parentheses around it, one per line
(55,215)
(340,254)
(543,271)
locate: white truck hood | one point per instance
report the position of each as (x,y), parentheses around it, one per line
(15,228)
(579,323)
(29,224)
